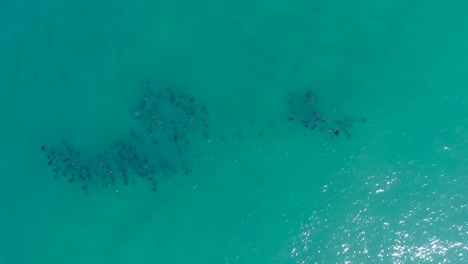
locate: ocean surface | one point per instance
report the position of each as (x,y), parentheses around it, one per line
(262,188)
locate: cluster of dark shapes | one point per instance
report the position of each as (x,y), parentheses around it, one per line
(163,139)
(164,126)
(304,109)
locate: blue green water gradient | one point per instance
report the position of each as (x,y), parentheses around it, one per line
(393,193)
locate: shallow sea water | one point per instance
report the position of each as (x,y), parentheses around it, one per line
(263,190)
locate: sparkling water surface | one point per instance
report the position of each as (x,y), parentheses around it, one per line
(263,176)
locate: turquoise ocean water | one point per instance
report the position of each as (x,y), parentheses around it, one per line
(263,190)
